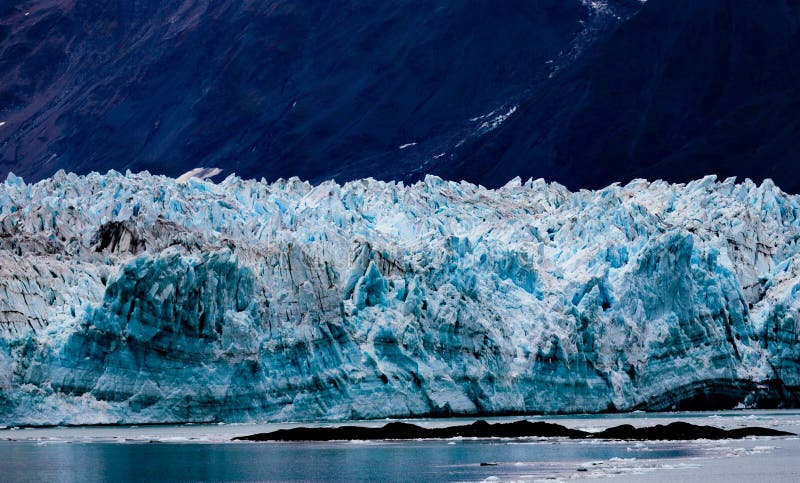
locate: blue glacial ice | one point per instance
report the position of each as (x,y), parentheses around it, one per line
(137,298)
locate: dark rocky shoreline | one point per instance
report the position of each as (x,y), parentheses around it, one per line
(517,429)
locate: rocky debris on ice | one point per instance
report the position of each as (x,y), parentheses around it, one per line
(138,298)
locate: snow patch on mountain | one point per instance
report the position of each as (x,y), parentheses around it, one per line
(492,120)
(200,173)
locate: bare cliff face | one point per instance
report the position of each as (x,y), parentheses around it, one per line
(135,298)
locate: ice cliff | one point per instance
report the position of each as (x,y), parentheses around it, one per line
(138,298)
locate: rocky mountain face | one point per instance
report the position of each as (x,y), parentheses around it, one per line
(137,298)
(273,88)
(681,90)
(581,92)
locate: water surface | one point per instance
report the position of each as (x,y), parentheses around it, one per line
(205,453)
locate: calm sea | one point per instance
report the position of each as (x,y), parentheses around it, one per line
(205,453)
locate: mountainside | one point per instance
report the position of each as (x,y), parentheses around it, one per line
(273,88)
(137,298)
(683,89)
(581,92)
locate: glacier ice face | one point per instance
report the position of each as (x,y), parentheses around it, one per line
(136,298)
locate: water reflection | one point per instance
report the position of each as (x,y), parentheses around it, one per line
(368,461)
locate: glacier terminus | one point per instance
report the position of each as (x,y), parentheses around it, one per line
(133,298)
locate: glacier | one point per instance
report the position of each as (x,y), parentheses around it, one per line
(133,298)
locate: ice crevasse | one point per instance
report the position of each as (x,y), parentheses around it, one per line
(137,298)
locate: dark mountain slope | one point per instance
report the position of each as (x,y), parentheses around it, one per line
(268,88)
(683,89)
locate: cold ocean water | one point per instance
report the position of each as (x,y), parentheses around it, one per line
(205,453)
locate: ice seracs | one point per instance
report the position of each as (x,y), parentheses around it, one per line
(200,173)
(138,298)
